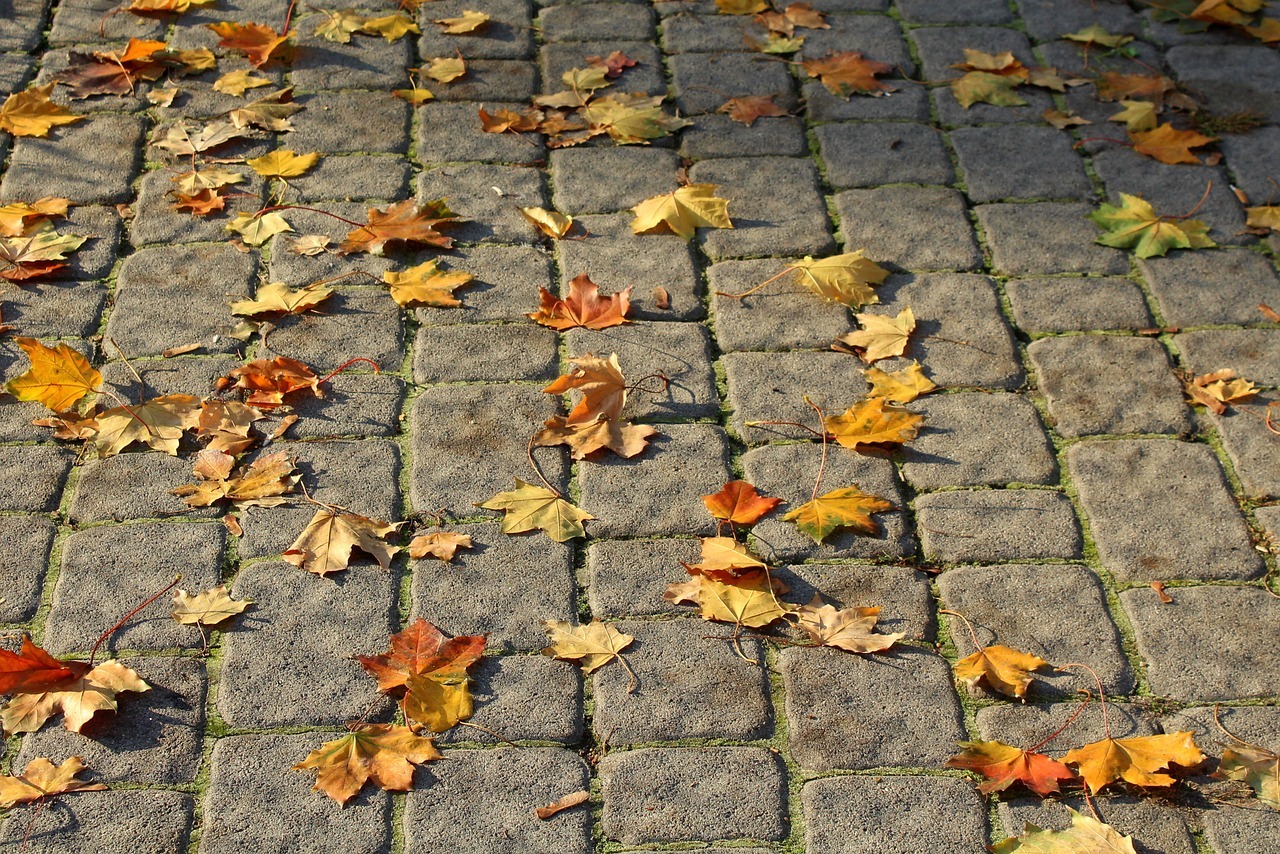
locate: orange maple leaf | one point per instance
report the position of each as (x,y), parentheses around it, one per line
(848,72)
(584,307)
(1134,760)
(748,108)
(403,224)
(32,669)
(1003,765)
(423,650)
(1168,144)
(739,503)
(269,380)
(258,42)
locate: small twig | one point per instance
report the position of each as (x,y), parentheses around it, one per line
(1102,695)
(1057,732)
(534,465)
(1199,204)
(484,728)
(751,291)
(109,632)
(822,466)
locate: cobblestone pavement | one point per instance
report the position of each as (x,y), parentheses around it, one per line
(1059,474)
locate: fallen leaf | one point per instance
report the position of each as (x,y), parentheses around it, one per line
(441,544)
(1004,63)
(238,82)
(750,601)
(426,285)
(984,87)
(613,64)
(1094,34)
(225,425)
(310,245)
(571,800)
(1002,668)
(1266,216)
(738,502)
(391,27)
(112,72)
(258,228)
(32,670)
(741,7)
(59,377)
(174,7)
(209,178)
(584,307)
(158,423)
(17,217)
(592,646)
(31,113)
(79,697)
(42,779)
(1168,144)
(847,73)
(383,754)
(1223,387)
(1135,225)
(848,507)
(183,141)
(269,380)
(1135,760)
(1137,115)
(630,119)
(468,22)
(202,203)
(682,211)
(270,112)
(38,251)
(327,542)
(258,42)
(1003,765)
(1253,765)
(262,483)
(881,336)
(846,278)
(528,507)
(209,608)
(423,650)
(601,384)
(504,121)
(402,225)
(1114,86)
(1158,587)
(339,26)
(724,559)
(661,299)
(1062,120)
(280,299)
(873,422)
(283,163)
(446,69)
(550,223)
(748,108)
(901,386)
(586,438)
(1085,836)
(850,629)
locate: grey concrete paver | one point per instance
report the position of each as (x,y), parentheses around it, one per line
(1059,470)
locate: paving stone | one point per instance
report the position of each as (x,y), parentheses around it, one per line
(704,81)
(484,353)
(21,27)
(1194,531)
(523,697)
(507,35)
(1190,658)
(679,351)
(1230,77)
(1153,825)
(354,322)
(474,593)
(853,711)
(909,228)
(141,821)
(154,737)
(477,797)
(1199,288)
(787,472)
(354,177)
(867,155)
(107,571)
(1048,19)
(287,661)
(489,216)
(720,136)
(901,592)
(1076,304)
(906,103)
(1175,190)
(645,76)
(1046,238)
(783,316)
(22,565)
(1250,445)
(877,37)
(476,449)
(962,443)
(172,296)
(664,795)
(953,12)
(628,577)
(492,80)
(450,131)
(195,375)
(92,162)
(659,491)
(716,33)
(156,220)
(772,387)
(1253,353)
(776,205)
(353,405)
(615,257)
(1056,612)
(597,22)
(298,270)
(1240,830)
(504,287)
(31,477)
(1029,723)
(983,526)
(284,812)
(1087,395)
(56,63)
(1251,158)
(892,814)
(1255,724)
(95,259)
(951,308)
(1019,162)
(135,485)
(723,697)
(338,122)
(14,71)
(604,180)
(89,22)
(360,476)
(941,47)
(322,64)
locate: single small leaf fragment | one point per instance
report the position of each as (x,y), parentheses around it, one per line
(1002,668)
(238,82)
(209,608)
(1135,760)
(901,386)
(327,543)
(528,507)
(847,507)
(382,754)
(1134,225)
(1063,120)
(42,779)
(873,422)
(550,223)
(59,377)
(1094,34)
(850,629)
(739,502)
(593,645)
(557,806)
(881,336)
(440,544)
(283,164)
(31,113)
(1253,765)
(425,285)
(1265,216)
(1003,765)
(583,307)
(1137,115)
(1086,835)
(682,212)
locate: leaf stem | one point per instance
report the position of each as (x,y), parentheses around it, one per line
(1057,732)
(806,427)
(751,291)
(1102,695)
(822,466)
(109,632)
(534,465)
(348,363)
(972,634)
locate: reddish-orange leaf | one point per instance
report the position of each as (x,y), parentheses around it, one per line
(258,42)
(502,121)
(584,307)
(269,380)
(848,72)
(423,650)
(202,203)
(111,72)
(1168,144)
(33,670)
(613,64)
(402,225)
(748,108)
(738,502)
(1113,86)
(1003,765)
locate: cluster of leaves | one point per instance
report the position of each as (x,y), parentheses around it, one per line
(1242,16)
(119,72)
(30,246)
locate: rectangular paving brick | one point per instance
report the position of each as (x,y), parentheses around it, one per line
(909,228)
(892,814)
(981,526)
(1000,442)
(23,565)
(775,203)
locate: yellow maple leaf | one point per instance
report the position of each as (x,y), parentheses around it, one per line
(41,779)
(383,754)
(327,542)
(901,386)
(59,377)
(1003,668)
(846,279)
(446,69)
(469,21)
(391,27)
(262,483)
(1086,835)
(31,113)
(1137,115)
(283,163)
(158,423)
(682,211)
(279,298)
(881,337)
(873,422)
(848,507)
(528,506)
(750,600)
(440,544)
(593,645)
(550,223)
(1265,216)
(849,629)
(426,285)
(257,229)
(209,608)
(238,82)
(1135,760)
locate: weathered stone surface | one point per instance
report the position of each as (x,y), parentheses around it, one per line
(644,77)
(909,228)
(1251,446)
(1239,830)
(484,353)
(712,135)
(523,697)
(22,565)
(657,795)
(604,180)
(507,35)
(92,162)
(628,577)
(868,155)
(489,216)
(1195,530)
(354,176)
(596,21)
(1087,395)
(133,486)
(1077,303)
(1202,288)
(772,387)
(142,821)
(1046,237)
(898,814)
(450,131)
(1253,353)
(985,526)
(31,477)
(504,287)
(1017,162)
(783,315)
(902,593)
(704,81)
(998,443)
(55,309)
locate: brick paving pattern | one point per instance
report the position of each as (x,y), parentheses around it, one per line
(1059,473)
